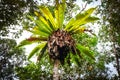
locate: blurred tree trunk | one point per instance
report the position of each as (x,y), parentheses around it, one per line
(56,75)
(117,60)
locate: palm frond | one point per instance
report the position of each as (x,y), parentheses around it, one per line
(48,15)
(79,53)
(42,52)
(79,30)
(37,31)
(85,51)
(80,19)
(40,25)
(31,40)
(38,48)
(44,21)
(59,14)
(24,42)
(37,39)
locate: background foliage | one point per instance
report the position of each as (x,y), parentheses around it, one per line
(10,58)
(12,12)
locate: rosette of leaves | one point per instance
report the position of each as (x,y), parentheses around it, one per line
(54,35)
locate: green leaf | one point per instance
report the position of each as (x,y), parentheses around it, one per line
(79,20)
(93,41)
(31,40)
(42,27)
(79,30)
(90,19)
(74,58)
(24,42)
(48,15)
(37,31)
(69,24)
(79,53)
(42,52)
(37,49)
(30,17)
(85,50)
(44,22)
(59,14)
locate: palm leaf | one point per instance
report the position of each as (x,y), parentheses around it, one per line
(82,17)
(32,40)
(59,14)
(37,39)
(79,53)
(87,20)
(24,42)
(74,58)
(78,20)
(37,31)
(85,50)
(48,15)
(42,52)
(43,21)
(37,49)
(41,26)
(79,30)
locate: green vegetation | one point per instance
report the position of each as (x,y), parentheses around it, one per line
(66,45)
(53,35)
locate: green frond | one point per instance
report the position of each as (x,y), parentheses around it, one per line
(42,52)
(41,38)
(85,51)
(40,25)
(79,30)
(75,59)
(39,32)
(59,14)
(45,22)
(37,49)
(79,53)
(80,19)
(48,15)
(90,19)
(31,17)
(93,41)
(31,40)
(34,51)
(25,42)
(69,24)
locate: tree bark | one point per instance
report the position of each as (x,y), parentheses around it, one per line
(117,61)
(56,75)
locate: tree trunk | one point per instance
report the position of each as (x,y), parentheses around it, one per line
(117,61)
(55,70)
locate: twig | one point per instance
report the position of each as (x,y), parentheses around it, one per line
(83,8)
(90,31)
